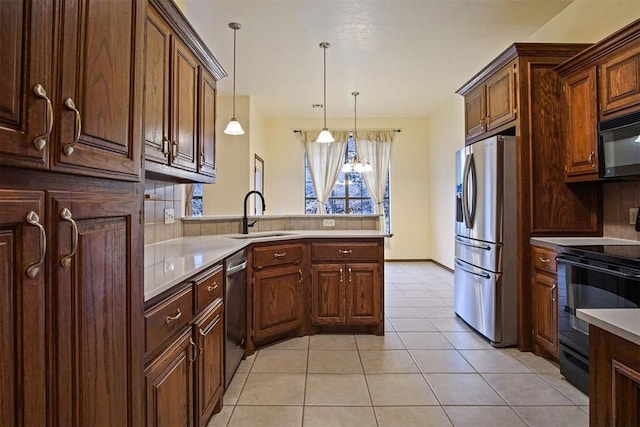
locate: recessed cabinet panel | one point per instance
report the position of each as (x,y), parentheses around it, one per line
(364,295)
(328,294)
(620,82)
(474,105)
(501,107)
(207,124)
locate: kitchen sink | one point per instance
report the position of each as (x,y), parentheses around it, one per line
(258,235)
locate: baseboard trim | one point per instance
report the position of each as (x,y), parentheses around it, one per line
(421,260)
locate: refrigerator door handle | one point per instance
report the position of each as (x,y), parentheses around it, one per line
(463,268)
(465,190)
(463,242)
(469,188)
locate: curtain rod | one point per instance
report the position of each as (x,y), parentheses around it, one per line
(363,130)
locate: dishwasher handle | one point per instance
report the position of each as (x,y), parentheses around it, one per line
(236,268)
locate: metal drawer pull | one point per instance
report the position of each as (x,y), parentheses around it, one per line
(68,148)
(65,214)
(33,269)
(211,288)
(210,327)
(193,352)
(345,252)
(341,275)
(165,146)
(300,273)
(202,159)
(176,149)
(591,156)
(175,317)
(544,260)
(279,255)
(41,140)
(349,274)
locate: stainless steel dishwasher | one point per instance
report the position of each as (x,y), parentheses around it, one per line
(235,309)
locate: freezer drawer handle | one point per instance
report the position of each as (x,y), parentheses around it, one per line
(462,242)
(461,267)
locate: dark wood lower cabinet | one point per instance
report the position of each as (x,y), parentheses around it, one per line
(328,294)
(209,338)
(169,384)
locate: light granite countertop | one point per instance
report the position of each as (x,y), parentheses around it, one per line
(623,322)
(168,263)
(554,242)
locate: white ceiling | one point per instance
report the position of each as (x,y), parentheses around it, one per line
(405,57)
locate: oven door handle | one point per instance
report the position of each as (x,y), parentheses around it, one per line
(565,260)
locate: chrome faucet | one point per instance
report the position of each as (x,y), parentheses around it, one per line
(245,221)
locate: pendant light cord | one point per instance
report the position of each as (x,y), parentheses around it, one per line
(355,115)
(235,30)
(324,107)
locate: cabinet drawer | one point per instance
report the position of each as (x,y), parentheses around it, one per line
(274,255)
(208,287)
(544,259)
(345,251)
(166,317)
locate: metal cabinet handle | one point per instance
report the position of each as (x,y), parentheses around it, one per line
(553,296)
(211,288)
(193,352)
(68,148)
(65,214)
(165,146)
(33,269)
(40,141)
(350,275)
(592,155)
(341,275)
(176,149)
(202,158)
(345,252)
(210,327)
(173,318)
(544,260)
(300,273)
(280,255)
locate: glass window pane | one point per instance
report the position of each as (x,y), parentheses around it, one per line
(311,206)
(335,206)
(197,190)
(196,204)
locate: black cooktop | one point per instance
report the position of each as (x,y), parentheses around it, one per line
(627,255)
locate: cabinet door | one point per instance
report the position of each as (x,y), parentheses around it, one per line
(185,108)
(157,59)
(277,301)
(99,108)
(620,81)
(207,124)
(26,117)
(474,112)
(364,294)
(328,305)
(581,133)
(209,337)
(501,103)
(169,385)
(22,315)
(97,286)
(545,289)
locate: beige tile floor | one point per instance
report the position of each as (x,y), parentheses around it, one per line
(430,369)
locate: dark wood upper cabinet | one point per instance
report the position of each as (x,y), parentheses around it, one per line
(22,309)
(475,112)
(501,97)
(207,124)
(620,82)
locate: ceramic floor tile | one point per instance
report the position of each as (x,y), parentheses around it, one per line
(543,416)
(450,324)
(425,301)
(232,393)
(334,362)
(246,364)
(273,389)
(389,341)
(494,361)
(558,382)
(397,301)
(525,390)
(535,363)
(585,409)
(430,312)
(467,341)
(412,324)
(221,419)
(339,416)
(463,389)
(400,390)
(297,343)
(483,416)
(441,361)
(424,341)
(337,390)
(388,326)
(281,361)
(417,296)
(392,312)
(411,416)
(387,361)
(332,342)
(267,416)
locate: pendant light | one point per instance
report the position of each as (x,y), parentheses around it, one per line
(234,127)
(355,165)
(325,136)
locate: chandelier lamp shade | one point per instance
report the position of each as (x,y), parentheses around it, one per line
(325,136)
(234,127)
(355,165)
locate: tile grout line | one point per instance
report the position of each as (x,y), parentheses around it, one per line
(364,374)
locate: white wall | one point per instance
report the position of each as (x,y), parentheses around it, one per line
(257,143)
(409,180)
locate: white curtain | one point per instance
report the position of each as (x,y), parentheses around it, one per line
(325,161)
(375,147)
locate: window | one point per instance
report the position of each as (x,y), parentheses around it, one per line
(196,202)
(349,195)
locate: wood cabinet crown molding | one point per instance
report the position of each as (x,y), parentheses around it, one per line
(592,55)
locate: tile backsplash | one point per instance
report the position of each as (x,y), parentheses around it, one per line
(618,198)
(160,195)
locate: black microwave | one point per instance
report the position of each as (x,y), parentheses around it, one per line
(619,146)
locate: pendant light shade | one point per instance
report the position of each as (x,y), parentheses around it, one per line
(325,136)
(234,127)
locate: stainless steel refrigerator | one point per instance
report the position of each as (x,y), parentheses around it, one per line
(485,267)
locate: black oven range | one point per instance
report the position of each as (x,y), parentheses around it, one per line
(604,276)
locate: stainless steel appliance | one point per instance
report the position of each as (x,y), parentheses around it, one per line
(619,146)
(235,312)
(591,277)
(485,268)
